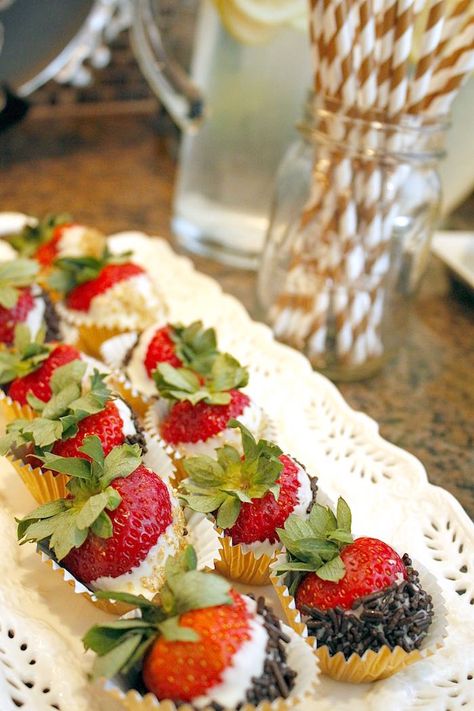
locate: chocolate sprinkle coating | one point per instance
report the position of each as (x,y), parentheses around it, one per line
(400,616)
(51,319)
(277,679)
(138,438)
(313,482)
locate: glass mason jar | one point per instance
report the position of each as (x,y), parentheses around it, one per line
(354,209)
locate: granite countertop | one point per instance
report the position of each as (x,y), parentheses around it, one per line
(117,171)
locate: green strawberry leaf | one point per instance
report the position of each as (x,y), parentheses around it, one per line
(72,466)
(314,543)
(221,486)
(120,463)
(227,374)
(228,512)
(102,526)
(63,376)
(110,663)
(334,570)
(92,446)
(28,241)
(69,272)
(91,510)
(343,515)
(14,274)
(172,630)
(195,346)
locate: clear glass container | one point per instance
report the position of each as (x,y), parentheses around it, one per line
(237,104)
(355,204)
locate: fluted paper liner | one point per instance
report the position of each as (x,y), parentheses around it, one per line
(115,350)
(244,566)
(371,666)
(45,485)
(151,424)
(300,658)
(13,410)
(91,334)
(201,534)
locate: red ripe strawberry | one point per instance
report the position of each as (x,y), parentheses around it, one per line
(186,670)
(370,565)
(259,519)
(144,513)
(9,318)
(161,349)
(186,422)
(81,296)
(48,252)
(38,381)
(107,425)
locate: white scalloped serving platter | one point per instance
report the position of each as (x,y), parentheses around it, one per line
(42,665)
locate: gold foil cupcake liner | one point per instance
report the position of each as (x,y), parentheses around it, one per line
(200,533)
(244,566)
(13,410)
(91,334)
(371,666)
(300,658)
(43,485)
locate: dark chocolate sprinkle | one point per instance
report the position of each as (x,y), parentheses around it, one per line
(399,615)
(313,481)
(277,679)
(138,438)
(51,318)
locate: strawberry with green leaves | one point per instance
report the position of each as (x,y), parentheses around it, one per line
(27,366)
(250,495)
(204,643)
(194,410)
(106,288)
(118,523)
(34,237)
(73,412)
(193,347)
(23,301)
(360,585)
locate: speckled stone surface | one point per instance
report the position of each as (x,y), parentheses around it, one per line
(116,172)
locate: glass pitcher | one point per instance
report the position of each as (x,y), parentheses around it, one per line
(237,107)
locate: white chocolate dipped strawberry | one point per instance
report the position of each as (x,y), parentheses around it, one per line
(118,524)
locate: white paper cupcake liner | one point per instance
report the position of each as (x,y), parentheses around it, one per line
(371,666)
(114,351)
(300,658)
(201,534)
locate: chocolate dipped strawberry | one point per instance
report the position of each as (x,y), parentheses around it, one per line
(22,301)
(205,644)
(98,290)
(356,594)
(78,407)
(118,524)
(250,495)
(37,234)
(28,365)
(194,410)
(192,347)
